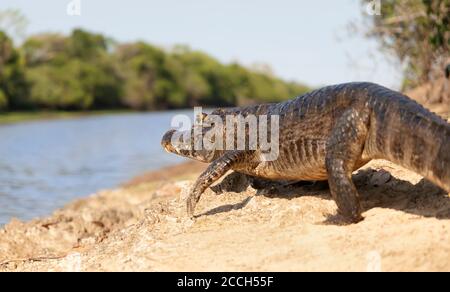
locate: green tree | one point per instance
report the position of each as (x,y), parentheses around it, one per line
(90,71)
(87,46)
(13,86)
(73,73)
(45,49)
(3,100)
(417,32)
(139,64)
(57,87)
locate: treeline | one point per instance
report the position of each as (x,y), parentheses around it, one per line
(417,33)
(87,71)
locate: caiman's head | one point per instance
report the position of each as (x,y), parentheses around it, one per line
(182,143)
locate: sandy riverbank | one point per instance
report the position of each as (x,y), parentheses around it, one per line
(142,227)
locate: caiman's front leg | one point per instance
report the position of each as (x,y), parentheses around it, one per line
(344,149)
(215,171)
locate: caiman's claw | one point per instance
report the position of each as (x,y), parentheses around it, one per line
(190,205)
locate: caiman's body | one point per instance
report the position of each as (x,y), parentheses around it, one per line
(329,133)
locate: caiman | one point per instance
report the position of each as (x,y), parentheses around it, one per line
(327,134)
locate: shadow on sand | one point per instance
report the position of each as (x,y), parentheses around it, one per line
(377,188)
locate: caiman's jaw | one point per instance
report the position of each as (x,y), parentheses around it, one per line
(199,155)
(166,142)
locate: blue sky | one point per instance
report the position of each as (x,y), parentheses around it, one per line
(305,41)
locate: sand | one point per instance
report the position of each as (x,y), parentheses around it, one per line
(142,227)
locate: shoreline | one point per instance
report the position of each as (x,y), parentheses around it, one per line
(101,219)
(142,226)
(11,118)
(178,171)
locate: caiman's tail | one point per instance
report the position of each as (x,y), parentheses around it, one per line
(406,133)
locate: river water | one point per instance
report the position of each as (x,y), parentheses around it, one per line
(46,164)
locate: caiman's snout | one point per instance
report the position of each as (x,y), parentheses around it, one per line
(166,141)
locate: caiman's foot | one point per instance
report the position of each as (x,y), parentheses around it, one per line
(341,220)
(191,202)
(214,171)
(353,219)
(344,149)
(350,208)
(190,205)
(234,182)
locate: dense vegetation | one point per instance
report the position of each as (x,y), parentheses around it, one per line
(87,71)
(417,32)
